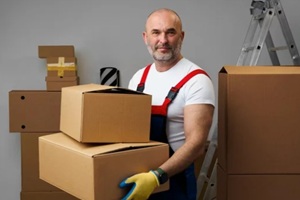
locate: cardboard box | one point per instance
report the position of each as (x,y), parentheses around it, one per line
(92,171)
(258,187)
(46,196)
(30,179)
(34,111)
(61,67)
(100,113)
(56,83)
(258,120)
(45,51)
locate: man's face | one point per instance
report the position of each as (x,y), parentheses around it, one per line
(163,36)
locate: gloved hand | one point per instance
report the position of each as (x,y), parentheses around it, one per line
(142,185)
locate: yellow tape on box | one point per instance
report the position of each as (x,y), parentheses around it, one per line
(61,66)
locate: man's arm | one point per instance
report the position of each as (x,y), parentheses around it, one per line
(197,122)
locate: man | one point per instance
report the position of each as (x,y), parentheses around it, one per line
(182,110)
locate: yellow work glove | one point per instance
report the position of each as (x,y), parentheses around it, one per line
(142,185)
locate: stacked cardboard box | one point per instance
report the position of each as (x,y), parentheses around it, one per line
(104,139)
(35,113)
(32,186)
(61,66)
(258,140)
(81,141)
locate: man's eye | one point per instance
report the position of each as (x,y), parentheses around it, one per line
(171,33)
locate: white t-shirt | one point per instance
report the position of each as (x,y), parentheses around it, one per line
(198,90)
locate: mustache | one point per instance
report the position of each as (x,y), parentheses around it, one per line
(163,46)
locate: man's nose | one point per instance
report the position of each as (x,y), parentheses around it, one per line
(163,38)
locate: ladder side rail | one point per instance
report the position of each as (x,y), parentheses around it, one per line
(211,192)
(262,36)
(272,53)
(287,32)
(207,163)
(248,41)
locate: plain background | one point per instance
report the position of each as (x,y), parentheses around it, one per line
(109,33)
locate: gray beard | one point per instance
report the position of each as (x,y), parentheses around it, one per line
(166,57)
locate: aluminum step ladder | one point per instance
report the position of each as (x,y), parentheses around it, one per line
(257,35)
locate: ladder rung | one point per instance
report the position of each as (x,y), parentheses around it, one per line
(278,48)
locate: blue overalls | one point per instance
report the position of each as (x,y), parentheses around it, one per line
(183,186)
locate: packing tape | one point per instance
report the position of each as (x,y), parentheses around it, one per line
(60,70)
(61,66)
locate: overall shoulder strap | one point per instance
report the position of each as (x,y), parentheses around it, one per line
(174,90)
(141,85)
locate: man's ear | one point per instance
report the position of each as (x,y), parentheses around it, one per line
(145,37)
(182,35)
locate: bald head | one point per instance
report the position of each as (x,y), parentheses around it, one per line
(162,14)
(163,37)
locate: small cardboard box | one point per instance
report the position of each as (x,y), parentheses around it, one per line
(46,196)
(30,179)
(93,171)
(61,67)
(258,120)
(45,51)
(56,83)
(34,111)
(100,113)
(257,186)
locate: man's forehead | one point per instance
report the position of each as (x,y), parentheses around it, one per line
(162,21)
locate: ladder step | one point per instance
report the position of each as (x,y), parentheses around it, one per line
(279,48)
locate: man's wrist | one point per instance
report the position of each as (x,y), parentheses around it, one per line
(161,175)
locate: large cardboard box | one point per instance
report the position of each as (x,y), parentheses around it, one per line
(258,120)
(46,196)
(257,186)
(100,113)
(45,51)
(30,179)
(34,111)
(93,171)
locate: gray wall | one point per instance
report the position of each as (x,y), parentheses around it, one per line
(109,33)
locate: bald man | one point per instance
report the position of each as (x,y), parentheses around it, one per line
(182,110)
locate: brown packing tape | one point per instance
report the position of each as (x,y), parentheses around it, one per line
(61,66)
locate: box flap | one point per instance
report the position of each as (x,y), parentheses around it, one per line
(88,88)
(260,70)
(45,51)
(92,149)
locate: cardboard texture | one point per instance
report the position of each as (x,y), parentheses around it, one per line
(56,83)
(93,171)
(257,187)
(45,51)
(100,113)
(34,111)
(46,196)
(30,179)
(61,66)
(258,120)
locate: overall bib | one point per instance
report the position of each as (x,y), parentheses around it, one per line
(182,185)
